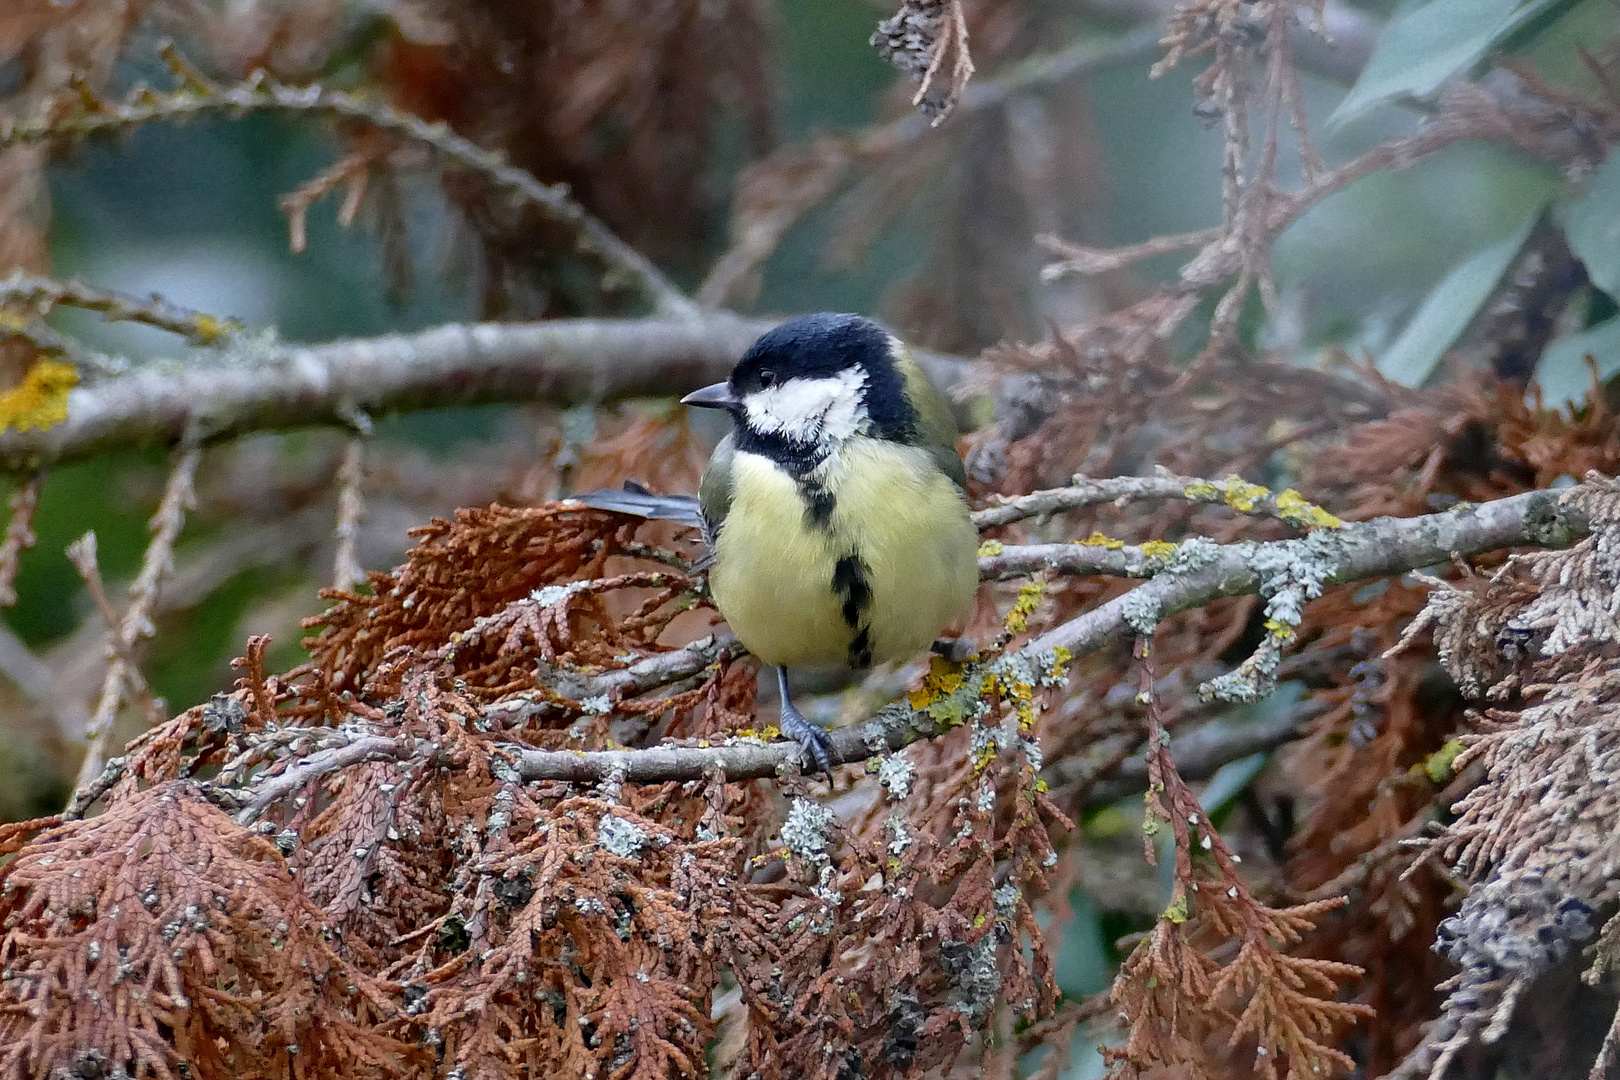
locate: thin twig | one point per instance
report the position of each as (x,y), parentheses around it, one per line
(123,673)
(73,119)
(19,535)
(1235,492)
(311,768)
(42,294)
(346,569)
(1077,259)
(352,172)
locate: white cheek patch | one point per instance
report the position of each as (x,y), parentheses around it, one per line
(811,410)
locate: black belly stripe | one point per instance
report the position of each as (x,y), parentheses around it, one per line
(850,585)
(860,650)
(849,582)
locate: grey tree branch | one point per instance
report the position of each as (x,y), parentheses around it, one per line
(1023,560)
(1357,551)
(262,388)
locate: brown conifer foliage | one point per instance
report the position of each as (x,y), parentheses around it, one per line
(161,937)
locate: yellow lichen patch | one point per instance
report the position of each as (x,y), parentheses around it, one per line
(40,400)
(1279,629)
(943,679)
(1159,549)
(1296,511)
(209,329)
(1097,539)
(990,548)
(1020,695)
(1202,491)
(1438,764)
(765,734)
(1242,495)
(1029,597)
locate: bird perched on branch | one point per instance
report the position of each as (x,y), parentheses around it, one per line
(835,512)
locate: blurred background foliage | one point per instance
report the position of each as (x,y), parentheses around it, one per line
(932,232)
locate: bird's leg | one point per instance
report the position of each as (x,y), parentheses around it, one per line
(802,730)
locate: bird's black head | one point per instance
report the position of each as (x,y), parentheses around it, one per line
(814,381)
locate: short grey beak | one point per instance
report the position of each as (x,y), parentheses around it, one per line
(718,396)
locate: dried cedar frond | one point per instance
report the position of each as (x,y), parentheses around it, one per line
(917,39)
(1535,839)
(160,937)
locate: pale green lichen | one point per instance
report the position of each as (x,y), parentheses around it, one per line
(984,744)
(1253,680)
(805,830)
(620,837)
(975,975)
(990,549)
(824,889)
(1140,611)
(1292,573)
(553,594)
(1006,900)
(1193,554)
(896,773)
(899,835)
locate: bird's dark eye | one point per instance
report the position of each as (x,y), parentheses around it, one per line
(767,377)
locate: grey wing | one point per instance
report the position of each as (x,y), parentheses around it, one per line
(950,463)
(637,500)
(936,427)
(714,491)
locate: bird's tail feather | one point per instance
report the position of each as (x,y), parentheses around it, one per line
(637,500)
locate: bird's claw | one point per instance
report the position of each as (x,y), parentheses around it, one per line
(813,741)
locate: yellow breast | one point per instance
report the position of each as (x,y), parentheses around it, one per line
(877,579)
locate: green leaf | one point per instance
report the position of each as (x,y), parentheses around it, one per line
(1592,225)
(1424,46)
(1081,966)
(1447,311)
(1563,374)
(1230,780)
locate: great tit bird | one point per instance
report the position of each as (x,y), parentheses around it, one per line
(835,512)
